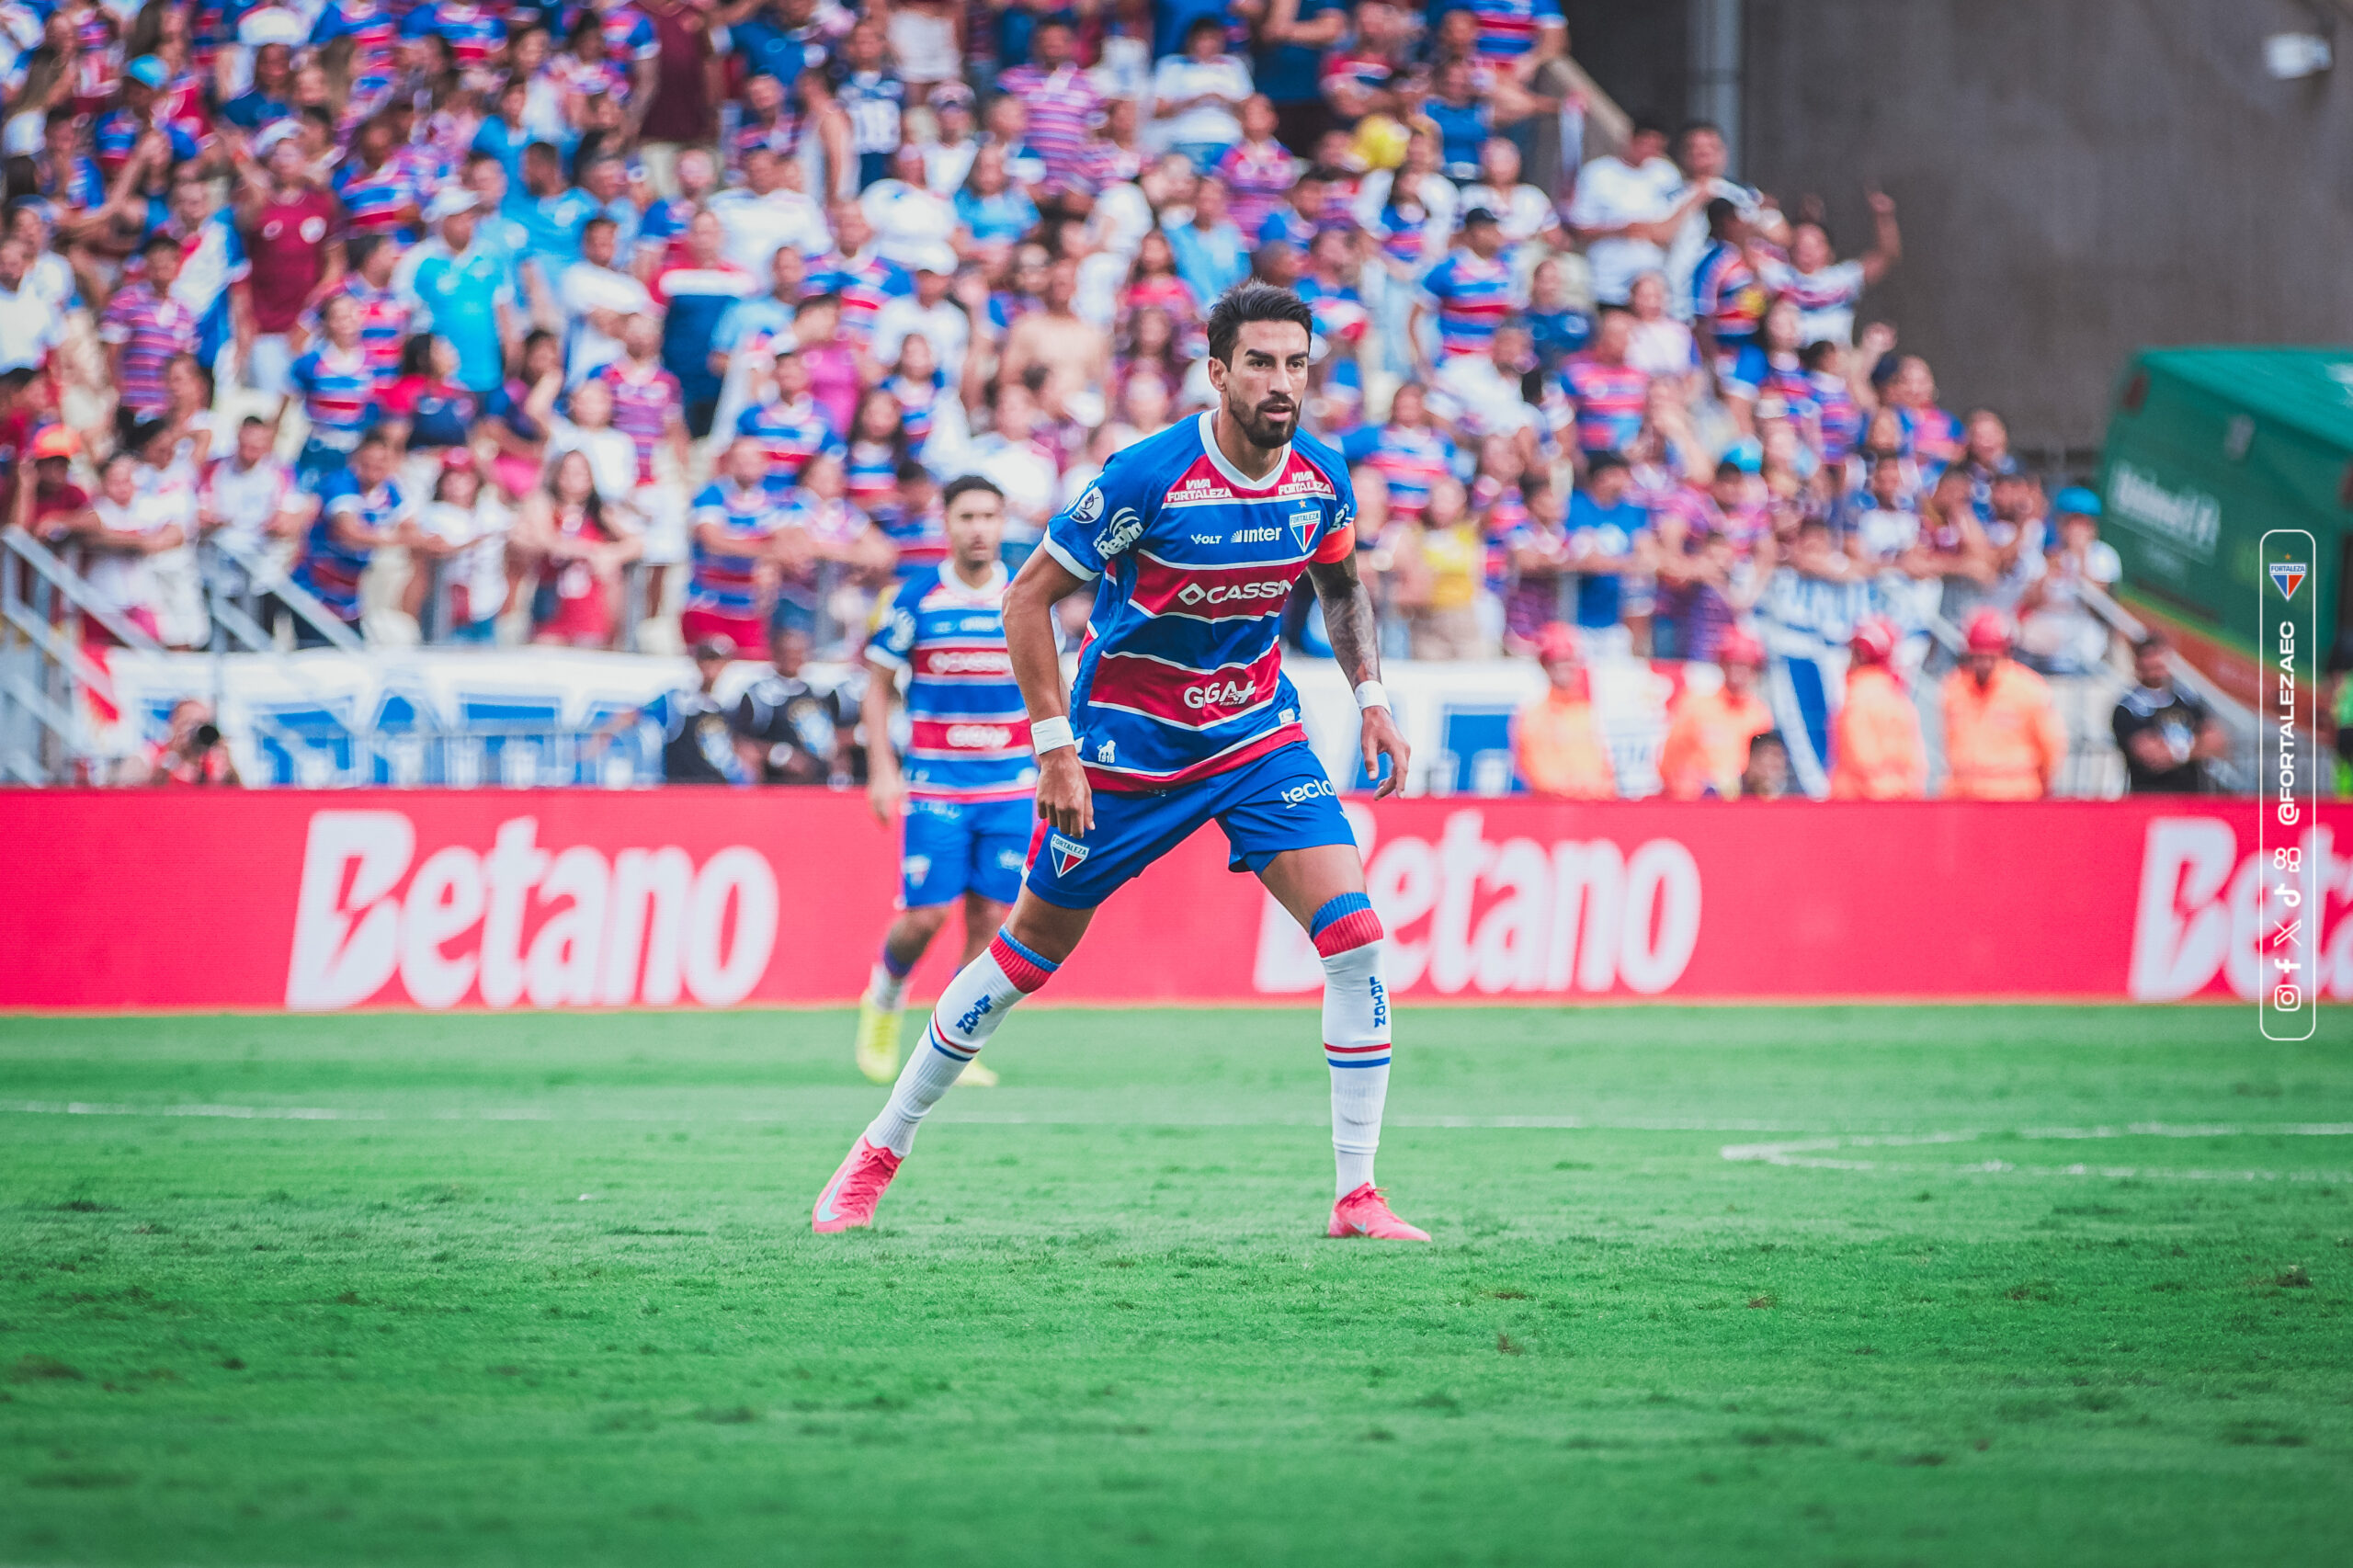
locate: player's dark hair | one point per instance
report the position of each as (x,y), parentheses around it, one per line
(964,485)
(1253,302)
(912,472)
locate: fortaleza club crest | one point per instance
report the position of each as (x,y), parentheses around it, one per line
(1066,854)
(2287,577)
(1302,526)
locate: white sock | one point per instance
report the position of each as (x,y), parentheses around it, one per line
(1355,1033)
(888,991)
(968,1013)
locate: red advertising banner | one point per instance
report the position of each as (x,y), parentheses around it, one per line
(579,898)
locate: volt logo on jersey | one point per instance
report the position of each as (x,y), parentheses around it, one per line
(1066,854)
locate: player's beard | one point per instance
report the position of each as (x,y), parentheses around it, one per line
(1266,430)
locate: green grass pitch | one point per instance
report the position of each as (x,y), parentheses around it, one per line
(1711,1286)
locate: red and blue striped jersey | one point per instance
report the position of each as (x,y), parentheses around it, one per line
(1411,460)
(791,433)
(383,321)
(1182,675)
(1258,175)
(1473,297)
(1062,106)
(374,199)
(1610,400)
(645,402)
(921,537)
(1507,28)
(630,35)
(375,40)
(1726,291)
(866,284)
(969,734)
(918,405)
(331,569)
(474,33)
(1841,416)
(724,585)
(870,473)
(338,393)
(150,329)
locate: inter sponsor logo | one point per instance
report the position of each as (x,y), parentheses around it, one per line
(1256,536)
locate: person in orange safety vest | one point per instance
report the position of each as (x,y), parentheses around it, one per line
(1707,740)
(1875,747)
(1556,740)
(2003,737)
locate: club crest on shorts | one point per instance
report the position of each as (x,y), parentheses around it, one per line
(2287,577)
(1302,526)
(1066,854)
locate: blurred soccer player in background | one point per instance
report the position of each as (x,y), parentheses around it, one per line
(964,796)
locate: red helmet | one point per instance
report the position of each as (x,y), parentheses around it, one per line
(1989,632)
(1557,642)
(1739,647)
(1874,640)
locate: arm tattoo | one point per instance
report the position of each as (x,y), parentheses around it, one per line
(1348,617)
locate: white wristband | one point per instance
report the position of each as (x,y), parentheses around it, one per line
(1372,694)
(1050,734)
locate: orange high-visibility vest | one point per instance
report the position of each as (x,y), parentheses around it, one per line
(1557,742)
(2003,742)
(1707,743)
(1876,750)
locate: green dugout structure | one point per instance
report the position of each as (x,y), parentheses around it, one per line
(2208,449)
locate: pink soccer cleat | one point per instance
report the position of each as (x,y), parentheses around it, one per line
(849,1199)
(1365,1212)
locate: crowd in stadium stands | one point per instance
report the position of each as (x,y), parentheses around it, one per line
(653,322)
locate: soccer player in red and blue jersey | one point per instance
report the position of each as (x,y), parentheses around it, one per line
(1192,541)
(964,797)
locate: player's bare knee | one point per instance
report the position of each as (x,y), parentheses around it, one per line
(917,926)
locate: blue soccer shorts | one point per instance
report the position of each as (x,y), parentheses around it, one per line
(953,847)
(1282,801)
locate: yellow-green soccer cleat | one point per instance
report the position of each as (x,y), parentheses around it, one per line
(877,1041)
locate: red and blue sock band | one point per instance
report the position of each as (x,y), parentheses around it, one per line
(892,967)
(1025,969)
(1345,923)
(940,1043)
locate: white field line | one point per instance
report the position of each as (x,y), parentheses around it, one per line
(1819,1154)
(978,1116)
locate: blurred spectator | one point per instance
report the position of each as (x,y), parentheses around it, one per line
(191,751)
(1767,775)
(1438,559)
(2057,631)
(1876,751)
(1627,209)
(2003,737)
(697,745)
(1706,749)
(2166,734)
(1556,739)
(787,732)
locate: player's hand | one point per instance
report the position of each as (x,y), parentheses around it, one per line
(1064,799)
(1381,738)
(884,794)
